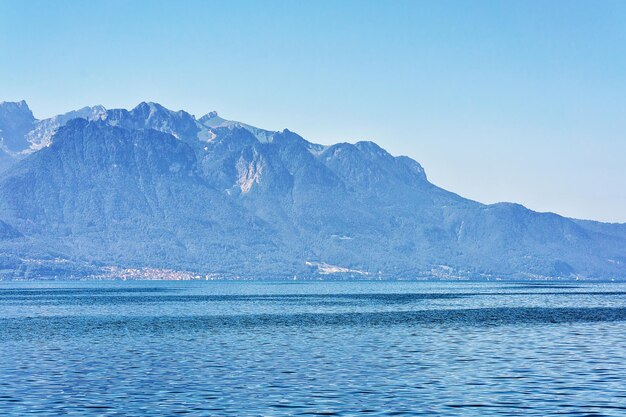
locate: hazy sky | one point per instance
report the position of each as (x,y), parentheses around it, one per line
(520,101)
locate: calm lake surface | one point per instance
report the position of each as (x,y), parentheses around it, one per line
(312,348)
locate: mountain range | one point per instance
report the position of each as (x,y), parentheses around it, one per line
(156,193)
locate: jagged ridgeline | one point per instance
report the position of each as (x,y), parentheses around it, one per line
(152,192)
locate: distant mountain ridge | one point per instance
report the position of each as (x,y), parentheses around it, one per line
(21,133)
(95,192)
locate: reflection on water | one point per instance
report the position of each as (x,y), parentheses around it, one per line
(322,348)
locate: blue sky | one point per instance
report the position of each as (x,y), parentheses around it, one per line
(520,101)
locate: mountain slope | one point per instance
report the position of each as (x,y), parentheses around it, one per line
(122,196)
(160,189)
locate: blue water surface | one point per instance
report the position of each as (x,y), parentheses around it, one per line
(147,348)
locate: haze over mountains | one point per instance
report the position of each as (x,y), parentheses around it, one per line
(95,191)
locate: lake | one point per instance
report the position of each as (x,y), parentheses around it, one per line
(202,348)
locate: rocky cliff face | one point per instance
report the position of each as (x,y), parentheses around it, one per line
(16,120)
